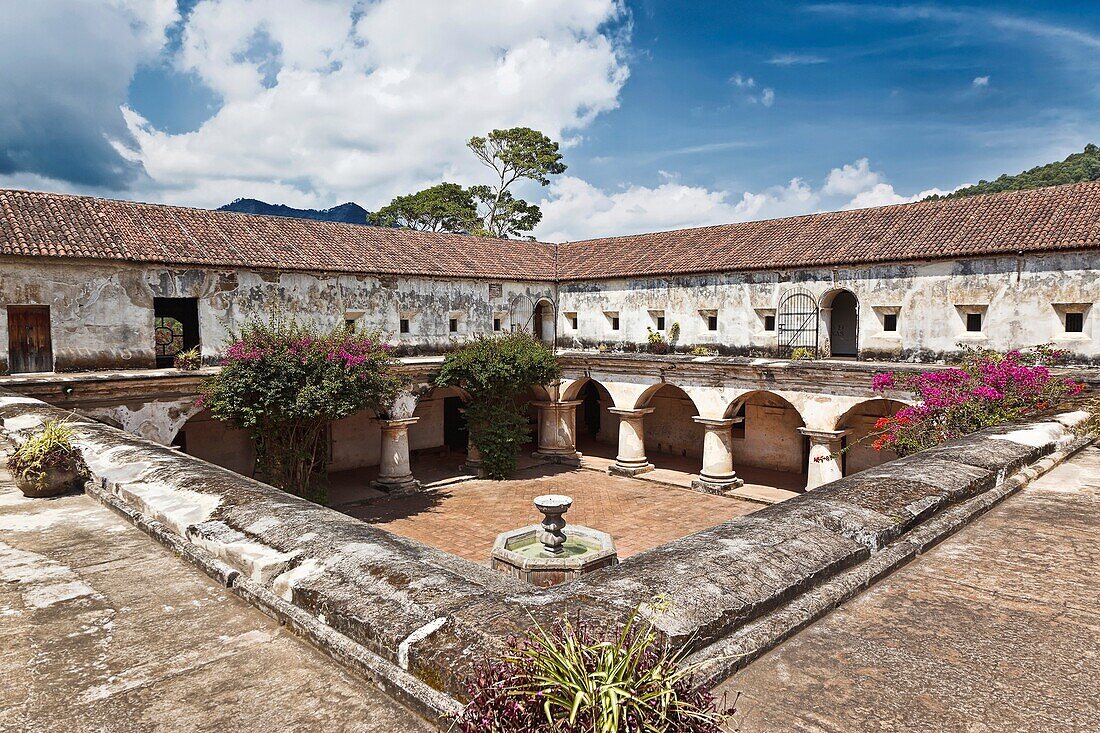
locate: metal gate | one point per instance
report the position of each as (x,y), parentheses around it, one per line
(796,323)
(521,314)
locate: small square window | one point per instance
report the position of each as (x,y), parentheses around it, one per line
(454,325)
(496,324)
(1075,322)
(712,323)
(404,328)
(973,321)
(660,323)
(769,323)
(349,324)
(573,322)
(614,323)
(889,321)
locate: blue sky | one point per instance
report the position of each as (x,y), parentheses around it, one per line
(671,113)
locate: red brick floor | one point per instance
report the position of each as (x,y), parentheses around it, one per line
(465,518)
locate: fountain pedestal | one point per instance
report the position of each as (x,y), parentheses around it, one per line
(546,554)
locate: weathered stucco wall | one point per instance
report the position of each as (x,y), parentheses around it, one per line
(1023,301)
(101,315)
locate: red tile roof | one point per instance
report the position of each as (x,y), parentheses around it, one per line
(1040,220)
(55,225)
(1052,219)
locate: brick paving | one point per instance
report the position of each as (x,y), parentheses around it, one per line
(465,518)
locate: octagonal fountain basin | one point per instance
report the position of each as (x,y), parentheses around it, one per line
(547,554)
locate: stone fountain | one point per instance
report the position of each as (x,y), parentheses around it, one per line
(545,554)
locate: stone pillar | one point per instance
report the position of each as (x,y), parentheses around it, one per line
(631,459)
(717,475)
(558,431)
(823,443)
(394,473)
(473,458)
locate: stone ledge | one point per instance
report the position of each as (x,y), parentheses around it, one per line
(405,607)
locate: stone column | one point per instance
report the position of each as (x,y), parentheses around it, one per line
(394,473)
(631,459)
(473,458)
(823,443)
(558,431)
(717,475)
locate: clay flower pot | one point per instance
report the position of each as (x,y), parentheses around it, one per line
(52,482)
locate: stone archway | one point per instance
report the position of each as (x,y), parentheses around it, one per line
(768,447)
(858,422)
(673,438)
(217,442)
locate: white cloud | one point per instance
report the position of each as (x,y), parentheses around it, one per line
(796,59)
(981,81)
(767,97)
(575,209)
(742,82)
(851,179)
(327,101)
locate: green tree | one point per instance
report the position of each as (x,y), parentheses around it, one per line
(496,372)
(445,207)
(513,154)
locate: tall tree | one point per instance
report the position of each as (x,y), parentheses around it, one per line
(513,154)
(445,207)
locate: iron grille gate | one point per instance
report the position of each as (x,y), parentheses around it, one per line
(521,314)
(796,323)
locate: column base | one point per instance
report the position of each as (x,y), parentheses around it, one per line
(397,487)
(711,485)
(568,459)
(634,469)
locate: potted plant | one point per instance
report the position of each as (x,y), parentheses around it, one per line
(188,361)
(48,464)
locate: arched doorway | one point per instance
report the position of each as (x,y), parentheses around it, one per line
(860,420)
(767,447)
(843,324)
(543,321)
(672,438)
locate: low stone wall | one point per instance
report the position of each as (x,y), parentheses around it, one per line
(415,619)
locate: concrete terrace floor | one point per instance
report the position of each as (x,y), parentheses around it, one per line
(995,629)
(102,629)
(465,518)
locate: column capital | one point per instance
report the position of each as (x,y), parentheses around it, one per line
(824,436)
(631,413)
(716,423)
(556,404)
(396,422)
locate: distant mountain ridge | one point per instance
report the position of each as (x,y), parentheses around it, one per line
(349,213)
(1078,167)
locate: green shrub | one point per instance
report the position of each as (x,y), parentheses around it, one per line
(578,678)
(801,353)
(285,382)
(496,372)
(51,448)
(655,342)
(701,351)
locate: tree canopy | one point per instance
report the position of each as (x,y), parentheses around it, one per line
(514,154)
(444,207)
(1083,166)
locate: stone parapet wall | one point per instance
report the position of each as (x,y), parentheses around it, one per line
(426,616)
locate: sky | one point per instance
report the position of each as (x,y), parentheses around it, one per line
(670,114)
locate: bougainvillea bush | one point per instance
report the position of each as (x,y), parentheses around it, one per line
(285,382)
(575,678)
(986,388)
(497,372)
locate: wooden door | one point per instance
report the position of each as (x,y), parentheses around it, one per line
(29,346)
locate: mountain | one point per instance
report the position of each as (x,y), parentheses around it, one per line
(1084,166)
(348,213)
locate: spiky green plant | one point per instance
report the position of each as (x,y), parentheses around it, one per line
(50,448)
